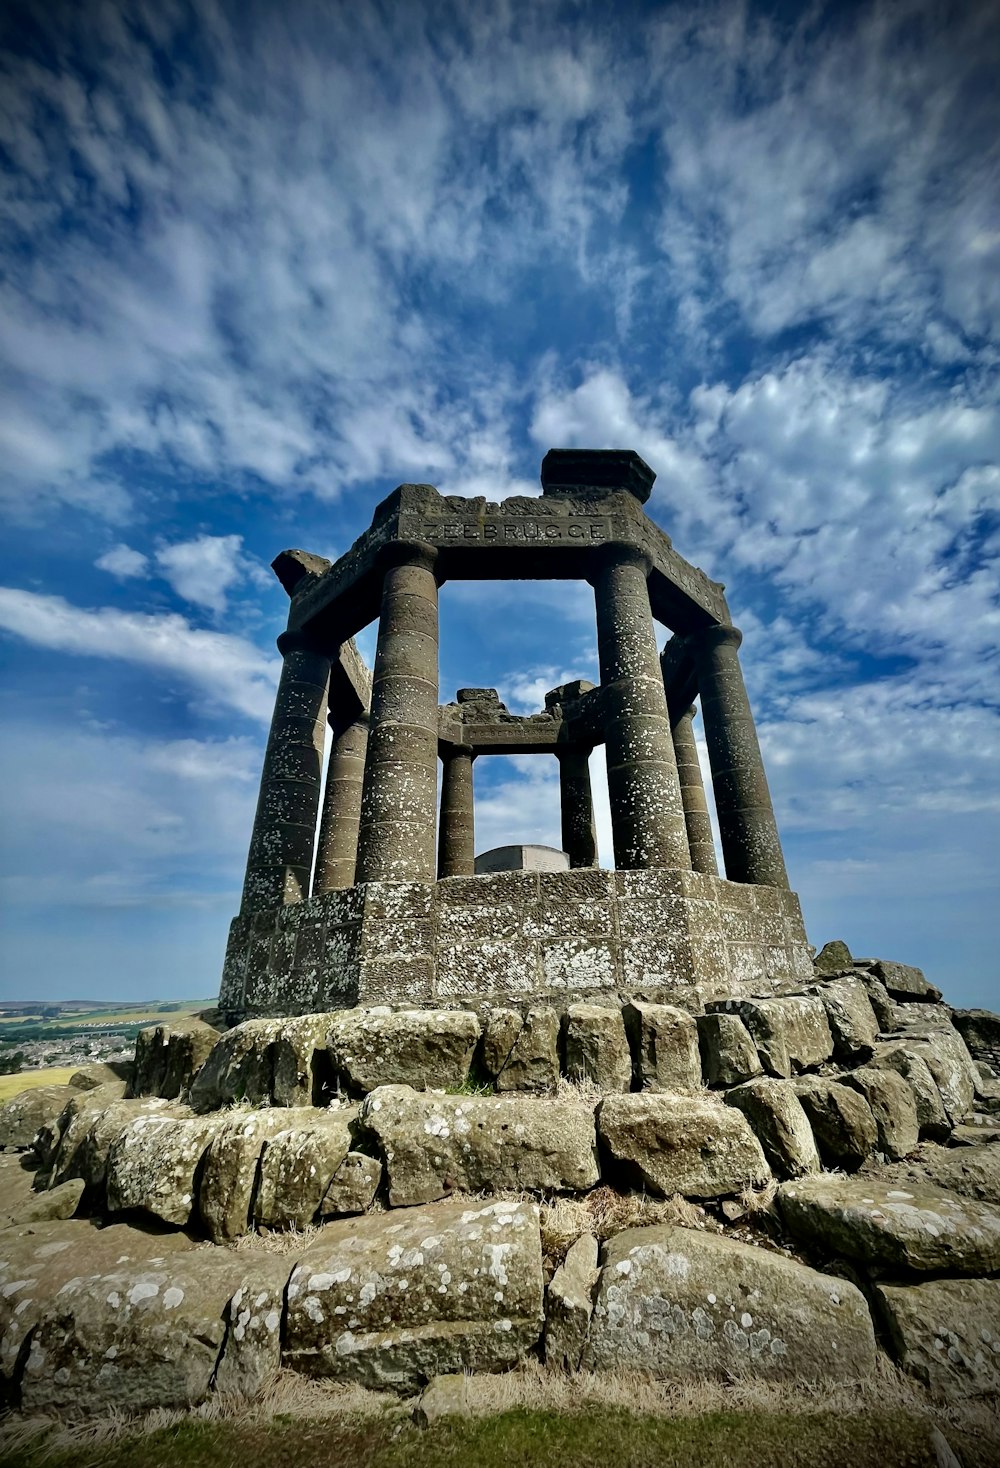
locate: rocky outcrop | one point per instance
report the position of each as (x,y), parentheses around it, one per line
(686,1305)
(426,1049)
(240,1067)
(154,1165)
(885,1227)
(892,1105)
(688,1144)
(932,1119)
(841,1120)
(24,1115)
(791,1033)
(569,1305)
(418,1294)
(299,1163)
(905,983)
(229,1175)
(432,1144)
(728,1054)
(169,1056)
(946,1333)
(852,1020)
(973,1172)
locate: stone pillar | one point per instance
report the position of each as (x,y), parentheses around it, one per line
(579,837)
(647,815)
(337,855)
(751,847)
(457,842)
(279,867)
(398,806)
(699,822)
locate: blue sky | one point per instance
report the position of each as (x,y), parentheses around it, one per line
(260,263)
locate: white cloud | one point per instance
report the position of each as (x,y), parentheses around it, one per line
(122,561)
(203,569)
(224,670)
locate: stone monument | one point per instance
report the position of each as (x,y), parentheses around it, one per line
(361,887)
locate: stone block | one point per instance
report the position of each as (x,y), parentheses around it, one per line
(728,1054)
(353,1186)
(905,983)
(596,1047)
(90,1125)
(522,859)
(833,958)
(229,1174)
(893,1107)
(402,1297)
(395,980)
(689,1306)
(841,1120)
(298,1166)
(169,1056)
(946,1333)
(569,1305)
(433,1144)
(154,1164)
(852,1020)
(884,1227)
(521,1053)
(302,1074)
(791,1033)
(427,1049)
(240,1066)
(24,1115)
(579,965)
(779,1123)
(664,1044)
(499,968)
(680,1143)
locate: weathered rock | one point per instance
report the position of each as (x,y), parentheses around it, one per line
(230,1170)
(978,1131)
(18,1179)
(878,997)
(522,1054)
(251,1355)
(569,1304)
(240,1066)
(400,1297)
(892,1105)
(664,1043)
(728,1054)
(938,1043)
(23,1116)
(89,1125)
(946,1333)
(169,1056)
(154,1163)
(687,1305)
(444,1396)
(303,1072)
(791,1032)
(932,1119)
(690,1144)
(36,1263)
(852,1020)
(353,1186)
(980,1029)
(434,1144)
(298,1165)
(841,1120)
(780,1125)
(141,1336)
(596,1047)
(972,1172)
(425,1049)
(905,983)
(886,1227)
(54,1203)
(833,958)
(101,1073)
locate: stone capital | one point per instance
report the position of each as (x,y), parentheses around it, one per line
(298,641)
(408,553)
(716,635)
(618,553)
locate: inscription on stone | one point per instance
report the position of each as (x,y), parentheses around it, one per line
(509,532)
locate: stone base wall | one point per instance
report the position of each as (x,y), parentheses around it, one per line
(516,936)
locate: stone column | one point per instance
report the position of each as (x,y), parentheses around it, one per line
(699,822)
(751,847)
(398,806)
(457,843)
(579,837)
(647,815)
(279,867)
(337,855)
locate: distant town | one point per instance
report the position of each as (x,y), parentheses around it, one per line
(39,1034)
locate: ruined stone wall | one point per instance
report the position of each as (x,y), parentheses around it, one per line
(515,935)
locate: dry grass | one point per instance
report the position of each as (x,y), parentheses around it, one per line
(30,1080)
(754,1200)
(605,1213)
(277,1241)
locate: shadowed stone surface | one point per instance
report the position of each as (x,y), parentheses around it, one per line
(884,1227)
(687,1305)
(433,1144)
(426,1049)
(569,1304)
(973,1172)
(946,1333)
(596,1047)
(686,1144)
(932,1119)
(852,1020)
(90,1125)
(779,1123)
(169,1056)
(904,982)
(893,1107)
(239,1068)
(25,1114)
(728,1054)
(664,1043)
(791,1033)
(841,1120)
(403,1297)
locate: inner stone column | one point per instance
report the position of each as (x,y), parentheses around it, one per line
(398,805)
(279,866)
(457,843)
(751,847)
(647,814)
(699,822)
(579,835)
(337,854)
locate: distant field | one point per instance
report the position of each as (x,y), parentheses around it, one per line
(56,1075)
(141,1014)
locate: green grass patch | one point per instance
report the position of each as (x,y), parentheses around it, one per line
(521,1439)
(28,1080)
